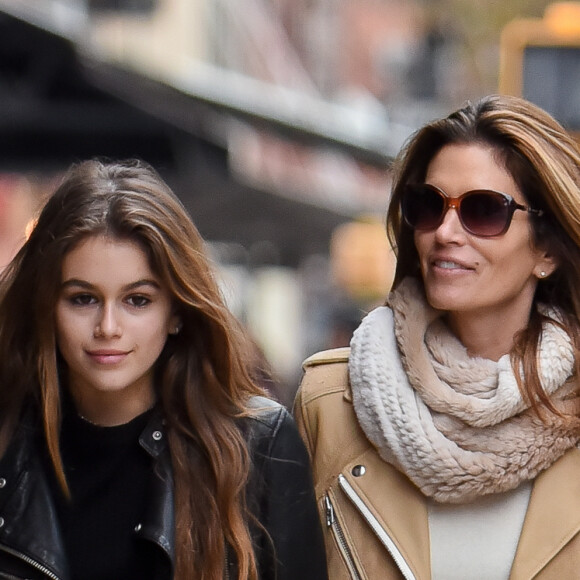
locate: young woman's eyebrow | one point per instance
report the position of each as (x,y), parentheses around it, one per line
(76,282)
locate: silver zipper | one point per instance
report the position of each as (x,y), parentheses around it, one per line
(227,569)
(30,561)
(377,528)
(333,523)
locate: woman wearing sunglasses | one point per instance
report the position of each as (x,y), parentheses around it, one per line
(444,441)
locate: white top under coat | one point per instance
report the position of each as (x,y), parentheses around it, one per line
(477,540)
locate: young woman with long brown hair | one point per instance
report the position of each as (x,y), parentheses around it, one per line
(135,442)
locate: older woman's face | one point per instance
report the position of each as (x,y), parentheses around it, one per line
(467,275)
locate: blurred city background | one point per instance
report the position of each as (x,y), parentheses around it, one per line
(275,121)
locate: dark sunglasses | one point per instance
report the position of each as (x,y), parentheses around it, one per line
(482,212)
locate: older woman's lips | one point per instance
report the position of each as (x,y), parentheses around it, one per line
(450,266)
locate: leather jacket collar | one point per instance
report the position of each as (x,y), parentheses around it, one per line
(286,530)
(158,525)
(30,541)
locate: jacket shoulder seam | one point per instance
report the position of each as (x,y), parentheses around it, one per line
(334,355)
(309,396)
(270,415)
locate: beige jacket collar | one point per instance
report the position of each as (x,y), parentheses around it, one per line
(553,516)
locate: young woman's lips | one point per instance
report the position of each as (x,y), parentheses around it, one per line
(107,357)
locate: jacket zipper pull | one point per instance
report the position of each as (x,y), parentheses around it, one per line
(329,511)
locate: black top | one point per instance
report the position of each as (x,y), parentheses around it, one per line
(108,474)
(287,532)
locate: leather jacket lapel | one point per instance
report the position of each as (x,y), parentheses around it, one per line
(159,521)
(29,535)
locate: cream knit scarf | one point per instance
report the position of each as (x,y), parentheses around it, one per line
(456,426)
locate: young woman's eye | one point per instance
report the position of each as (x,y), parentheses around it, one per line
(82,299)
(138,301)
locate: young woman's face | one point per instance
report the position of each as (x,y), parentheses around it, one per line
(113,317)
(468,275)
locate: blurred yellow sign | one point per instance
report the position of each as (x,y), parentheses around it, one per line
(362,259)
(540,61)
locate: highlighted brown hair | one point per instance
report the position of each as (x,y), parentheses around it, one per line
(544,161)
(202,376)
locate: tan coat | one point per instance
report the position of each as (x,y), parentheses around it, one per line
(373,515)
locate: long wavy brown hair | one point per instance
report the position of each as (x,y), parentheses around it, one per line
(544,161)
(203,375)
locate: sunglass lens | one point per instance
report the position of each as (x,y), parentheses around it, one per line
(484,213)
(422,207)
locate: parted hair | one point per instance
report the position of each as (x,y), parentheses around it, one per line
(544,161)
(203,377)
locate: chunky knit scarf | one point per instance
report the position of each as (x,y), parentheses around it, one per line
(456,425)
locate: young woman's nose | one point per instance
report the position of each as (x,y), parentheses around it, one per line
(108,323)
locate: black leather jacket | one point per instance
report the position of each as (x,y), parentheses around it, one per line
(280,495)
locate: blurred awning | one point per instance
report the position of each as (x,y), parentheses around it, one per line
(59,104)
(51,114)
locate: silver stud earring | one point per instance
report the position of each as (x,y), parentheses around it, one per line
(543,274)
